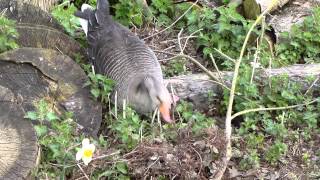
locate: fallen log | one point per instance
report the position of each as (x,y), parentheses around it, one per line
(290,14)
(196,88)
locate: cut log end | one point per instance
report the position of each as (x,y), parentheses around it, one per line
(19,149)
(34,73)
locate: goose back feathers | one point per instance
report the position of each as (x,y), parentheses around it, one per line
(122,56)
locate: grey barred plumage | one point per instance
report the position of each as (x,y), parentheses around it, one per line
(120,55)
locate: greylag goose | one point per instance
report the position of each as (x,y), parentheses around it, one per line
(120,55)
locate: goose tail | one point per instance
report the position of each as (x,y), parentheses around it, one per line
(102,12)
(84,16)
(90,17)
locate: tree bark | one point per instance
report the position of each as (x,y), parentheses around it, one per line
(292,13)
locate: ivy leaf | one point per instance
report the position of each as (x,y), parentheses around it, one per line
(95,92)
(41,130)
(51,116)
(31,115)
(122,167)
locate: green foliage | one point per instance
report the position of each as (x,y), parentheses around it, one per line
(302,43)
(163,11)
(223,28)
(100,85)
(117,171)
(276,151)
(64,13)
(255,140)
(56,137)
(250,160)
(199,121)
(128,128)
(279,91)
(175,67)
(8,34)
(129,12)
(162,6)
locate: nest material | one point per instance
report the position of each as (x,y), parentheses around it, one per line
(191,157)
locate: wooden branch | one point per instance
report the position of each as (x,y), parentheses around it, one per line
(195,87)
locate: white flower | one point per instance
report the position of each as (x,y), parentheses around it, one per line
(86,152)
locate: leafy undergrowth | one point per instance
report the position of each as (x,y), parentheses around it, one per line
(266,144)
(8,34)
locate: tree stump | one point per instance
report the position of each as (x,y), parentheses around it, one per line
(19,149)
(39,29)
(27,13)
(33,73)
(38,36)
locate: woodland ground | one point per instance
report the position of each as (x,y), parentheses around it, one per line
(282,144)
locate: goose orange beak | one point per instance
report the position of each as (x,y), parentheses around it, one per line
(164,109)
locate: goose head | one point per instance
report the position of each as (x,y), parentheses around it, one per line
(150,93)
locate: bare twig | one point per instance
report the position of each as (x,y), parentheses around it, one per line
(173,40)
(228,127)
(171,25)
(106,155)
(179,41)
(159,121)
(151,165)
(199,158)
(84,173)
(255,62)
(216,67)
(154,115)
(272,108)
(224,55)
(209,73)
(191,35)
(314,82)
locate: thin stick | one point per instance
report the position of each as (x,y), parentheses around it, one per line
(106,155)
(208,72)
(228,127)
(179,41)
(254,63)
(151,165)
(216,67)
(170,26)
(224,55)
(201,162)
(84,173)
(141,132)
(314,83)
(159,121)
(272,108)
(124,109)
(172,40)
(154,116)
(191,35)
(116,104)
